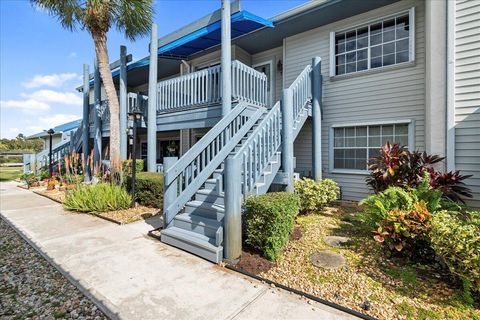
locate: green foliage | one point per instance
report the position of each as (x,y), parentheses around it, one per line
(315,194)
(269,221)
(44,175)
(456,240)
(127,166)
(402,228)
(97,198)
(148,188)
(20,143)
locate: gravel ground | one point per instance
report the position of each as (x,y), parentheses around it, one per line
(30,288)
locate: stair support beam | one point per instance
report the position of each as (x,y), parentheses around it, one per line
(232,248)
(97,132)
(317,117)
(170,191)
(152,103)
(123,103)
(287,138)
(86,117)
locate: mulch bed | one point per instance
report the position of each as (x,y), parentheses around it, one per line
(371,282)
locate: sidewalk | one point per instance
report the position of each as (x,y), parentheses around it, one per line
(132,276)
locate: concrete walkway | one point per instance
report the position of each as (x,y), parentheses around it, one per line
(133,276)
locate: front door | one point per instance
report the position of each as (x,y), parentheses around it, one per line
(266,68)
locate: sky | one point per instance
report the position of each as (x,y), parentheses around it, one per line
(41,63)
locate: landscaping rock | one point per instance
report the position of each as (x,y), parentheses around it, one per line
(327,259)
(336,241)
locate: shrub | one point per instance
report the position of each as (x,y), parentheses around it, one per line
(44,175)
(97,198)
(315,194)
(148,188)
(456,240)
(269,221)
(402,228)
(397,166)
(127,166)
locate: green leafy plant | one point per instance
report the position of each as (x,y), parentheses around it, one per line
(456,240)
(402,228)
(97,198)
(44,175)
(148,188)
(397,166)
(269,221)
(315,194)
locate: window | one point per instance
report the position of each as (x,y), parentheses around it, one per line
(379,44)
(354,145)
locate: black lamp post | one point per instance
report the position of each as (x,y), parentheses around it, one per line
(135,114)
(50,166)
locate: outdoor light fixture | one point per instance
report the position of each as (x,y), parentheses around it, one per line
(135,114)
(50,166)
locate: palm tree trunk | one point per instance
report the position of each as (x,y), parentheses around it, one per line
(100,41)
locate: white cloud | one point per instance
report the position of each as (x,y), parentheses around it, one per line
(51,96)
(50,80)
(44,123)
(25,105)
(72,55)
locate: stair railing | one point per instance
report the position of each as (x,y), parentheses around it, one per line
(190,172)
(256,153)
(301,90)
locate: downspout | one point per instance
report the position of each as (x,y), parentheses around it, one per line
(450,145)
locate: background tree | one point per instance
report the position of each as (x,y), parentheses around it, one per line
(132,17)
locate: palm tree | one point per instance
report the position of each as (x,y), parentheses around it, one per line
(133,17)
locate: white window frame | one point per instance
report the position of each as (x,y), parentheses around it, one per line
(411,44)
(411,140)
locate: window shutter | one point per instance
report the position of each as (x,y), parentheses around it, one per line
(411,21)
(332,54)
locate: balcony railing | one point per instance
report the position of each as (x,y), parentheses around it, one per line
(204,88)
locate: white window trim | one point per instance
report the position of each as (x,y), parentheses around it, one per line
(272,77)
(411,20)
(331,169)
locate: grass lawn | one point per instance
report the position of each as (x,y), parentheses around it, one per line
(370,282)
(10,173)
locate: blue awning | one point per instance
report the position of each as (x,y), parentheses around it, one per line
(243,22)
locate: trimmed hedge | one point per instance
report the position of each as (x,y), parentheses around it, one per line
(456,240)
(269,221)
(148,188)
(316,194)
(127,166)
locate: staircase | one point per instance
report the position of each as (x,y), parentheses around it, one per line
(194,199)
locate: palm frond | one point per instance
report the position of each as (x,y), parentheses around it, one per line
(69,13)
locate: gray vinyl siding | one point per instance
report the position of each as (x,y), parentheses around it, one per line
(274,55)
(397,93)
(467,94)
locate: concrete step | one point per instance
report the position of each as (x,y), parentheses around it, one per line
(210,196)
(205,209)
(211,184)
(201,225)
(192,242)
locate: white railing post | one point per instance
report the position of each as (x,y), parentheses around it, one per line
(233,209)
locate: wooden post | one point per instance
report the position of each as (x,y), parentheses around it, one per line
(123,103)
(233,209)
(86,119)
(287,137)
(169,191)
(97,138)
(152,104)
(317,117)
